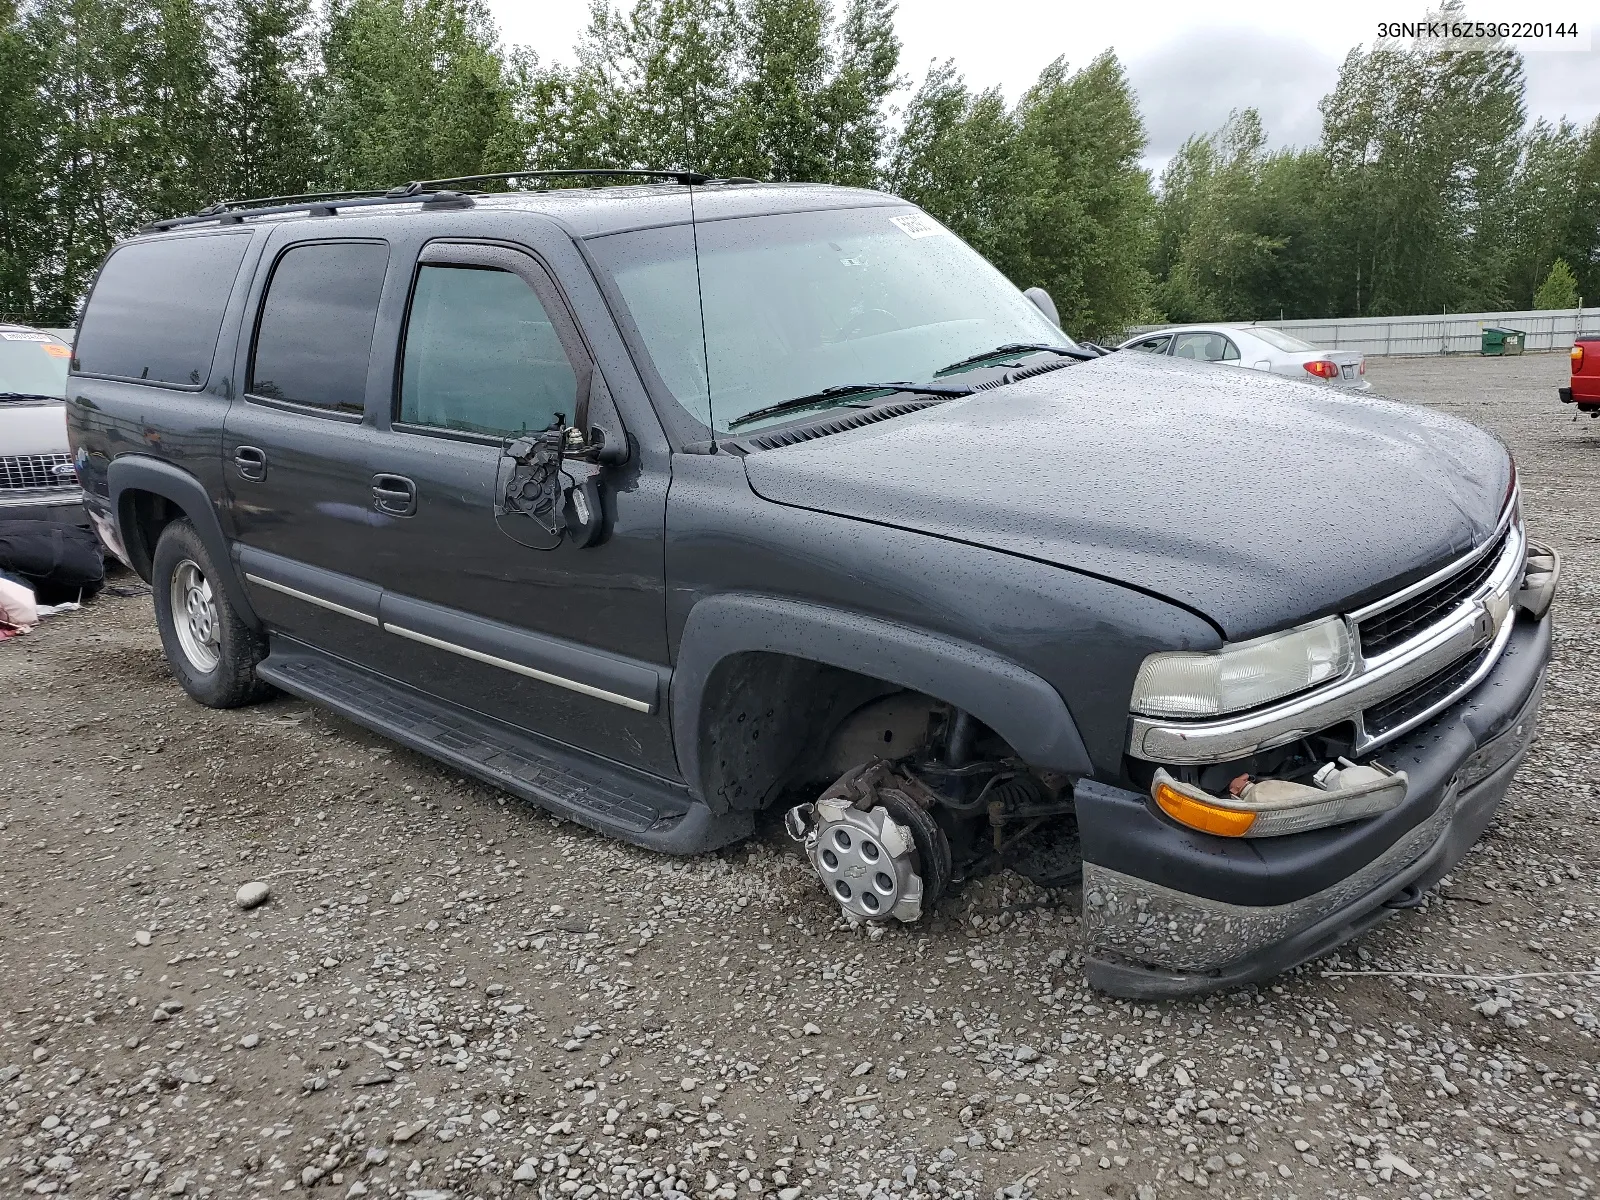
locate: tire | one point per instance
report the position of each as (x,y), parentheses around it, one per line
(212,653)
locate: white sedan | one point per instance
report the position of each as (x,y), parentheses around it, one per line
(1257,347)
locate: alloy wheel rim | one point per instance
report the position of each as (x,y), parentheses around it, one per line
(195,617)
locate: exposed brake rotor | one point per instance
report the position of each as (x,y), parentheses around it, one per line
(874,845)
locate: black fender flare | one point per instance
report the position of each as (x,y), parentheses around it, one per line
(141,473)
(1017,704)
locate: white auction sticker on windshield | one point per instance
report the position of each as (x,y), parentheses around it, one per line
(917,225)
(24,337)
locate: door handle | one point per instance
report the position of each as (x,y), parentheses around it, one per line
(252,463)
(395,495)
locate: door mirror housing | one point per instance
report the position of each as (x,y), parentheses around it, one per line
(1041,301)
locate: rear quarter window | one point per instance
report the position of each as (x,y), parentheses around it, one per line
(157,308)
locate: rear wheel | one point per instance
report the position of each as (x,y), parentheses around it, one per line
(211,651)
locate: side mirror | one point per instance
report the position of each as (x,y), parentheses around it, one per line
(1041,301)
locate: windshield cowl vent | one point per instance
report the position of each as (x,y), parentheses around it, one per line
(1021,373)
(834,424)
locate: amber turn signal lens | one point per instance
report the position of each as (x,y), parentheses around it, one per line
(1577,359)
(1207,818)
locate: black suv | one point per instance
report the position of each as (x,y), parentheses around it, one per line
(667,503)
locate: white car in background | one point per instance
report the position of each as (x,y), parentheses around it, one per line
(37,479)
(1257,347)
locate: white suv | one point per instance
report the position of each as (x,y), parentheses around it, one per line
(37,479)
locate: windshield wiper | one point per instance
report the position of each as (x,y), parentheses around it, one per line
(1011,348)
(29,396)
(841,392)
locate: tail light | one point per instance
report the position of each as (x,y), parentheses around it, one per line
(1363,368)
(1322,368)
(1577,359)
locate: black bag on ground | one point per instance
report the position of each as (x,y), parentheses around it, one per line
(60,562)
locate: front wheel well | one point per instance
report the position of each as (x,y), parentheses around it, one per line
(775,722)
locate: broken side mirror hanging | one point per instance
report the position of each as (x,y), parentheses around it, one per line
(547,488)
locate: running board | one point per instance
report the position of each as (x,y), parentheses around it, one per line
(611,799)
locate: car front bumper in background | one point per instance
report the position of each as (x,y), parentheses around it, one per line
(1169,911)
(57,507)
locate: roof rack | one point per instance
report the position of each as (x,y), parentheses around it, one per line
(687,178)
(431,192)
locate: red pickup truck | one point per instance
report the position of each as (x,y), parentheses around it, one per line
(1585,388)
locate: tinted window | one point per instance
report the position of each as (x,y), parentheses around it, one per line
(482,356)
(157,308)
(1154,345)
(315,337)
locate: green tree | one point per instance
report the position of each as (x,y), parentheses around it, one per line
(775,89)
(779,128)
(1090,212)
(128,128)
(1559,289)
(1051,192)
(25,220)
(415,89)
(1422,145)
(268,110)
(1239,229)
(957,156)
(1579,239)
(867,60)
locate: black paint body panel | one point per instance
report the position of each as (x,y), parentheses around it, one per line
(1257,501)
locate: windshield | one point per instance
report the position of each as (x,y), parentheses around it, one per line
(1281,341)
(33,363)
(796,303)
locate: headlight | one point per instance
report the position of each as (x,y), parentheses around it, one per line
(1189,684)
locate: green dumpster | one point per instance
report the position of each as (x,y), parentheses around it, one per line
(1502,341)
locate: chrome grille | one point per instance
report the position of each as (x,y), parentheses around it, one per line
(1395,712)
(1385,630)
(36,473)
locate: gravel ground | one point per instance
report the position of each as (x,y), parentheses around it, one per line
(450,995)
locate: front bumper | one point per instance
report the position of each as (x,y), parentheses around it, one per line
(58,508)
(1169,911)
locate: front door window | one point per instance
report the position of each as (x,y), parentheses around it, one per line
(482,356)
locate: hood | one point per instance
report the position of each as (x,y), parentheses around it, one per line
(1257,501)
(33,427)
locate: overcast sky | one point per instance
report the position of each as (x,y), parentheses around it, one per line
(1190,62)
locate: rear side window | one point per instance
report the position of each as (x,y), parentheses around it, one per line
(482,355)
(1153,345)
(157,308)
(314,338)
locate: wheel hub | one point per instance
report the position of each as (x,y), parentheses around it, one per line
(195,618)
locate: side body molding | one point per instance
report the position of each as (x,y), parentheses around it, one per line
(141,473)
(1016,704)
